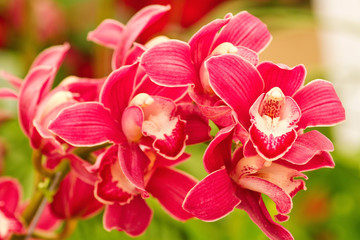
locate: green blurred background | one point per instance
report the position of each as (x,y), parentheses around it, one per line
(324,35)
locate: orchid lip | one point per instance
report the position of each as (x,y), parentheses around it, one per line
(274,117)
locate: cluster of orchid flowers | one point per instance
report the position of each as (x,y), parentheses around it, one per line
(113,142)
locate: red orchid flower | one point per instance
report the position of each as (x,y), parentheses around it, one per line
(177,63)
(273,107)
(132,113)
(126,208)
(38,103)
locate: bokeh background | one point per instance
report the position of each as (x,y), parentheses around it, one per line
(324,35)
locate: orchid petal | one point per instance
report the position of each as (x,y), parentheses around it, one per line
(8,93)
(213,197)
(277,182)
(164,162)
(133,218)
(248,54)
(86,124)
(69,199)
(34,87)
(136,25)
(10,193)
(197,126)
(236,82)
(170,187)
(202,40)
(245,30)
(134,53)
(252,203)
(319,104)
(151,88)
(289,80)
(83,89)
(269,146)
(306,146)
(107,33)
(320,160)
(218,153)
(169,64)
(117,90)
(219,114)
(133,163)
(13,80)
(51,57)
(113,186)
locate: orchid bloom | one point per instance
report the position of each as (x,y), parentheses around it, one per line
(10,196)
(125,205)
(273,107)
(142,121)
(177,63)
(241,180)
(38,103)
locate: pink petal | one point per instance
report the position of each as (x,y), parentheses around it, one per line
(164,127)
(169,64)
(136,25)
(236,82)
(277,182)
(86,124)
(269,146)
(13,80)
(107,33)
(170,187)
(51,57)
(69,200)
(245,30)
(10,193)
(133,218)
(8,93)
(213,197)
(34,87)
(118,89)
(219,114)
(202,40)
(113,186)
(306,146)
(133,163)
(289,80)
(252,203)
(197,126)
(320,160)
(319,104)
(83,89)
(218,153)
(134,53)
(164,162)
(151,88)
(248,54)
